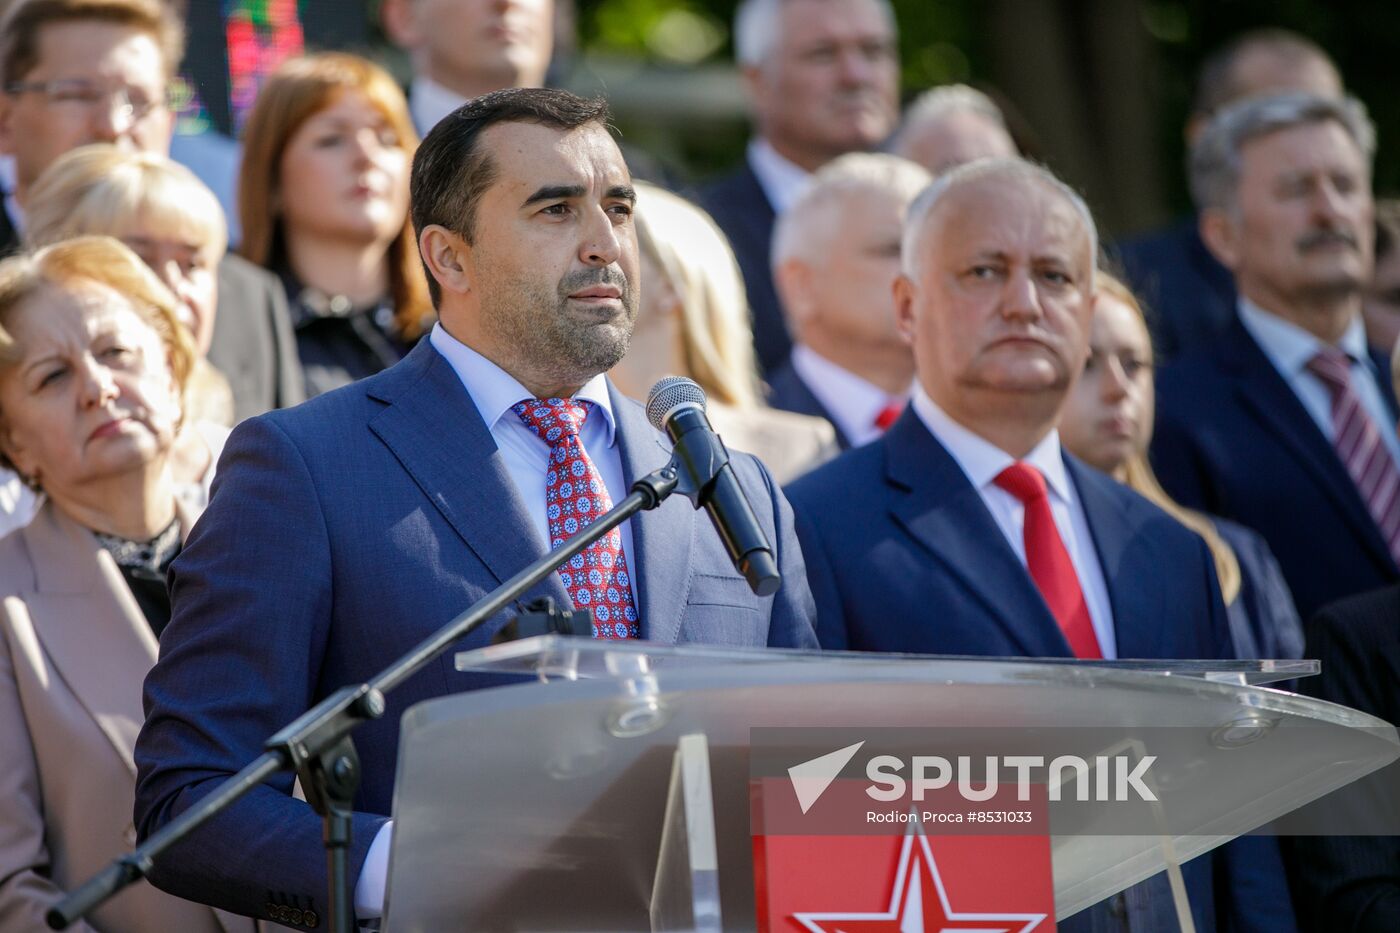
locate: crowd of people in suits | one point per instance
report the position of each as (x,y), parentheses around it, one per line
(249,472)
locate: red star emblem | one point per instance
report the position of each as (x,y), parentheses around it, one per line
(918,903)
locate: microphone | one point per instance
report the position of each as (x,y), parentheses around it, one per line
(676,405)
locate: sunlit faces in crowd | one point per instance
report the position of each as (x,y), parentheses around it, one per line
(829,83)
(91,395)
(552,261)
(93,82)
(344,173)
(1108,417)
(474,46)
(1301,226)
(996,299)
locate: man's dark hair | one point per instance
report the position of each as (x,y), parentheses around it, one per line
(450,172)
(1218,83)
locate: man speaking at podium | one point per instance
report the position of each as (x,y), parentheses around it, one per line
(343,532)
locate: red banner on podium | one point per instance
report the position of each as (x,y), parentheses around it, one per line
(907,876)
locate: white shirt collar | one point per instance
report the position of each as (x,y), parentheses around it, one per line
(981,460)
(1290,347)
(783,181)
(494,391)
(851,401)
(429,102)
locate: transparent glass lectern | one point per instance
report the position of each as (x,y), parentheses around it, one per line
(609,790)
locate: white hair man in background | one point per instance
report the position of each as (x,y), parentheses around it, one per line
(835,259)
(822,78)
(947,126)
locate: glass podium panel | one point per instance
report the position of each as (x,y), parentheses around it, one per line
(541,806)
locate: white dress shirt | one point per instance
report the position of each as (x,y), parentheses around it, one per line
(1289,348)
(781,180)
(429,102)
(852,403)
(526,457)
(982,462)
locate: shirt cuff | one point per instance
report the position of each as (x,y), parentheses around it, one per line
(374,876)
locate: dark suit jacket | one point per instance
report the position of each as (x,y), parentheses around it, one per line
(253,344)
(741,208)
(1233,440)
(898,518)
(903,556)
(1264,622)
(1351,884)
(1189,295)
(10,242)
(343,532)
(787,390)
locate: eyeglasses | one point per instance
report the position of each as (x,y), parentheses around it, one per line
(81,97)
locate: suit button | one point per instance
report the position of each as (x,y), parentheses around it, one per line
(294,917)
(309,916)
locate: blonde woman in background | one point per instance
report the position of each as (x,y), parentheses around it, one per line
(1107,423)
(164,214)
(694,322)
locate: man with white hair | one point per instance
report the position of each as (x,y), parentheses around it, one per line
(822,78)
(1285,423)
(951,125)
(966,529)
(835,259)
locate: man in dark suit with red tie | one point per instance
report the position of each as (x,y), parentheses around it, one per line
(967,530)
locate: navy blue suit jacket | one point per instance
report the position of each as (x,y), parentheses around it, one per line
(341,533)
(1190,296)
(739,205)
(1233,440)
(903,556)
(788,391)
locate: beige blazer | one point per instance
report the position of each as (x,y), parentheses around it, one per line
(74,650)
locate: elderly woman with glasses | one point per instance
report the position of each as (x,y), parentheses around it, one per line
(93,370)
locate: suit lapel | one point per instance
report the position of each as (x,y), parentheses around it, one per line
(435,431)
(81,600)
(1112,531)
(661,537)
(941,510)
(792,394)
(1264,392)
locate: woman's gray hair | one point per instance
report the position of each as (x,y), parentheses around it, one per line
(1014,168)
(1215,161)
(756,25)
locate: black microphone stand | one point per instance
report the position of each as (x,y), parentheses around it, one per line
(317,744)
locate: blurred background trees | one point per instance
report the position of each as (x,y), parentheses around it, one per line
(1098,89)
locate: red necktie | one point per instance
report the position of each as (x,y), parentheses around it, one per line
(889,414)
(1359,446)
(1049,562)
(595,579)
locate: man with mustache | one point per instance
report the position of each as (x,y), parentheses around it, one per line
(967,530)
(822,78)
(345,531)
(1287,422)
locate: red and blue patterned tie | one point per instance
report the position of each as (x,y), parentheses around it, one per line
(595,579)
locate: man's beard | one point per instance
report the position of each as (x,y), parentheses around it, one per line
(551,337)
